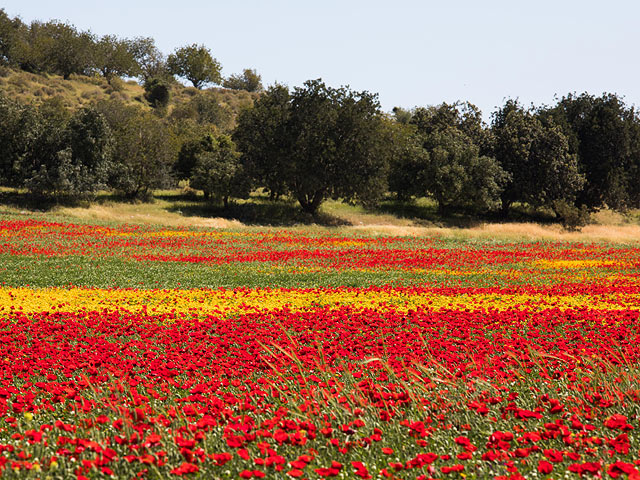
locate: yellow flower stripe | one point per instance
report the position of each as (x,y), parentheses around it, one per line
(229,302)
(577,264)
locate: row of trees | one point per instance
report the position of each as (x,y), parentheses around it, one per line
(60,48)
(582,153)
(54,152)
(316,142)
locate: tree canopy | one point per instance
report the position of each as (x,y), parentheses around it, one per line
(195,64)
(249,80)
(536,155)
(327,142)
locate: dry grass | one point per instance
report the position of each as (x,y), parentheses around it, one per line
(142,214)
(515,232)
(157,213)
(79,91)
(75,92)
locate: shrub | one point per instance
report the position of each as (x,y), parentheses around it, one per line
(157,93)
(573,218)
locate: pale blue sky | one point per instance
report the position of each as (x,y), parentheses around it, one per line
(413,53)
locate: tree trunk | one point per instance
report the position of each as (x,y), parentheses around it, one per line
(504,210)
(310,204)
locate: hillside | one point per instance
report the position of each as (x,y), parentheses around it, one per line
(80,91)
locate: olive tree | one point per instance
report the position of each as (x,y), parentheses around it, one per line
(143,150)
(249,80)
(536,155)
(218,171)
(113,57)
(195,63)
(328,142)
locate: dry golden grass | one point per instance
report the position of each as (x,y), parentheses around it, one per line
(75,92)
(80,90)
(142,214)
(515,232)
(156,213)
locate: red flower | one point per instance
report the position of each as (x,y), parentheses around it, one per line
(185,469)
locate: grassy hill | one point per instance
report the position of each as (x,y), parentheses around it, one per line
(80,91)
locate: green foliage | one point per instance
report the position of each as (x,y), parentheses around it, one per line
(56,47)
(249,80)
(113,57)
(330,143)
(338,146)
(68,158)
(204,108)
(407,161)
(261,137)
(144,150)
(150,60)
(42,170)
(218,171)
(462,116)
(401,115)
(189,153)
(536,155)
(573,218)
(19,128)
(605,135)
(194,63)
(9,30)
(157,93)
(458,176)
(91,143)
(30,48)
(442,156)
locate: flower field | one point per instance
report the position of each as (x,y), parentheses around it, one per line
(139,352)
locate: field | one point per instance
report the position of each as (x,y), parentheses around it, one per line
(143,351)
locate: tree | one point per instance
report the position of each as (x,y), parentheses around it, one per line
(249,80)
(158,94)
(446,155)
(463,116)
(218,171)
(457,175)
(31,47)
(9,30)
(261,137)
(189,153)
(113,57)
(91,144)
(602,131)
(46,154)
(204,108)
(408,162)
(19,127)
(143,150)
(331,143)
(195,64)
(150,60)
(537,157)
(72,159)
(65,49)
(402,115)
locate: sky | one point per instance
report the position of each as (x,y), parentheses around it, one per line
(412,53)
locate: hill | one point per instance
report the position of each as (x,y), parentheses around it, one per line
(80,91)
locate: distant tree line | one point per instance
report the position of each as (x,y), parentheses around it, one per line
(60,48)
(311,143)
